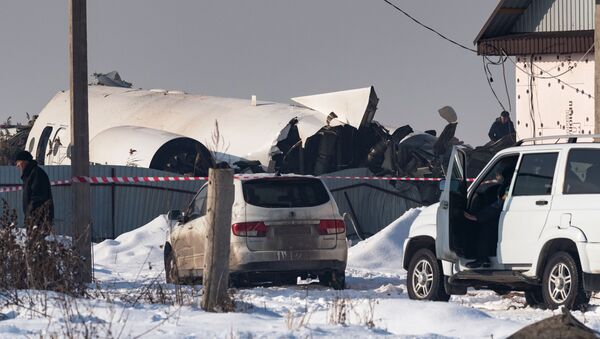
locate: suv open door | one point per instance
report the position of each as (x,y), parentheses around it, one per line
(452,205)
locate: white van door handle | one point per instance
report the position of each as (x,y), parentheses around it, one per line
(541,202)
(444,204)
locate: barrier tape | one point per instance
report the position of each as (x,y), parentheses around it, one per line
(117,180)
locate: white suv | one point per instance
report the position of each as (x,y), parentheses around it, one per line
(545,239)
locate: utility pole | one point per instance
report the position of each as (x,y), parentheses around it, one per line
(218,239)
(597,69)
(80,157)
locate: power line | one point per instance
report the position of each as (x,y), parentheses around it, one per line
(500,62)
(487,72)
(429,28)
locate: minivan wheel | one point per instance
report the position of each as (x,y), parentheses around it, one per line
(562,284)
(425,278)
(171,268)
(333,279)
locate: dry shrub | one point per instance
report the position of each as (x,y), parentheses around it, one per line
(35,258)
(338,312)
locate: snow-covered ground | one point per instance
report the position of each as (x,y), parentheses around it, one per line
(132,300)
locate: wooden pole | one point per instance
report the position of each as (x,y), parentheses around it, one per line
(597,69)
(216,257)
(80,225)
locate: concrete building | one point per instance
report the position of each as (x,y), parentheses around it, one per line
(551,43)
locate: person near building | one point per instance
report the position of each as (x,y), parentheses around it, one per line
(501,127)
(38,206)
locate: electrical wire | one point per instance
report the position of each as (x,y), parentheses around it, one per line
(557,76)
(486,68)
(429,28)
(501,62)
(531,105)
(487,72)
(506,85)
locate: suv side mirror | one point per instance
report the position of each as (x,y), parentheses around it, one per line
(174,215)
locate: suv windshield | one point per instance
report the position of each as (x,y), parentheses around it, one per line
(284,192)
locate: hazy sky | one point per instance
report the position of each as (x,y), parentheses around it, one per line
(275,49)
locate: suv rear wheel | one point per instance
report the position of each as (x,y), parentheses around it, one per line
(562,284)
(425,278)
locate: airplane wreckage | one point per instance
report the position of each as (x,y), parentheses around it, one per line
(326,133)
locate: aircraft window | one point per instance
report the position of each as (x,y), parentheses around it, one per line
(43,144)
(31,143)
(536,174)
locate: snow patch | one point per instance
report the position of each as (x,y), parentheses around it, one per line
(133,255)
(383,251)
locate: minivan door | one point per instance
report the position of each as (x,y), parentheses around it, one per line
(452,205)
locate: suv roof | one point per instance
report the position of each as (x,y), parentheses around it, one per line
(562,142)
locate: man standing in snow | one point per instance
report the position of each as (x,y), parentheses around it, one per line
(38,206)
(501,127)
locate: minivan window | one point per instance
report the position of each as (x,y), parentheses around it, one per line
(285,192)
(582,174)
(197,207)
(536,174)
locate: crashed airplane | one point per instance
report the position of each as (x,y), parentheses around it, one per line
(175,131)
(172,130)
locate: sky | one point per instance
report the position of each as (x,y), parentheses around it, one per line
(274,49)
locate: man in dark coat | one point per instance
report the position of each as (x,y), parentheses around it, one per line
(487,230)
(37,194)
(501,127)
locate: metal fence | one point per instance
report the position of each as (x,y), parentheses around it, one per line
(121,207)
(374,204)
(115,208)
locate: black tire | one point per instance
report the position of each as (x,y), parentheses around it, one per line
(333,279)
(534,298)
(170,266)
(419,286)
(557,290)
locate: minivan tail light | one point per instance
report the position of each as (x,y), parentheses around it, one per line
(249,229)
(331,227)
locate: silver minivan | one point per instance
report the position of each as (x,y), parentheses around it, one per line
(283,227)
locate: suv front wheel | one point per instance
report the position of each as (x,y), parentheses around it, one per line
(425,278)
(562,284)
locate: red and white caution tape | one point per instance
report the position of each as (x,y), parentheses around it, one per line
(380,178)
(117,180)
(20,187)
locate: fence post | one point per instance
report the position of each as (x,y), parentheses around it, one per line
(113,216)
(216,257)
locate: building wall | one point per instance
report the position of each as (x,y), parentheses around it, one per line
(557,101)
